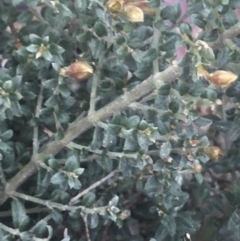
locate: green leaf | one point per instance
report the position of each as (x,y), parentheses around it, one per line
(164,90)
(6,135)
(64,90)
(114,201)
(169,44)
(133,122)
(211,36)
(24,17)
(169,224)
(50,84)
(143,141)
(16,2)
(52,101)
(97,48)
(143,72)
(56,216)
(40,228)
(165,150)
(43,184)
(186,28)
(234,221)
(109,140)
(71,164)
(198,20)
(20,219)
(56,49)
(199,178)
(74,183)
(47,55)
(64,11)
(100,29)
(93,220)
(173,106)
(26,236)
(223,57)
(88,199)
(97,138)
(58,178)
(171,12)
(8,85)
(120,40)
(122,51)
(81,4)
(34,39)
(152,186)
(154,3)
(79,171)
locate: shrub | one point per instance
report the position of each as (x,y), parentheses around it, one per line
(119,120)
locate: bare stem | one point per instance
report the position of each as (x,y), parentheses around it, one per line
(93,96)
(37,114)
(12,231)
(155,42)
(84,216)
(59,206)
(75,199)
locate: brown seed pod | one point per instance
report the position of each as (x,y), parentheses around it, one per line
(214,152)
(220,78)
(115,6)
(78,71)
(133,13)
(144,6)
(197,168)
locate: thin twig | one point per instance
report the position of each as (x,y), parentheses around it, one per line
(2,179)
(38,16)
(93,96)
(155,42)
(37,114)
(110,154)
(12,231)
(84,216)
(59,206)
(140,106)
(28,211)
(75,199)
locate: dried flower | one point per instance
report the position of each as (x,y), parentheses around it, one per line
(115,6)
(214,152)
(78,71)
(205,50)
(144,6)
(40,51)
(133,13)
(202,44)
(220,78)
(197,168)
(18,44)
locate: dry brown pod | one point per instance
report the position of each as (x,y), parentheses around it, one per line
(197,168)
(144,6)
(115,6)
(220,78)
(78,71)
(214,152)
(133,13)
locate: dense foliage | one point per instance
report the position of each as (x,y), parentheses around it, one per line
(119,120)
